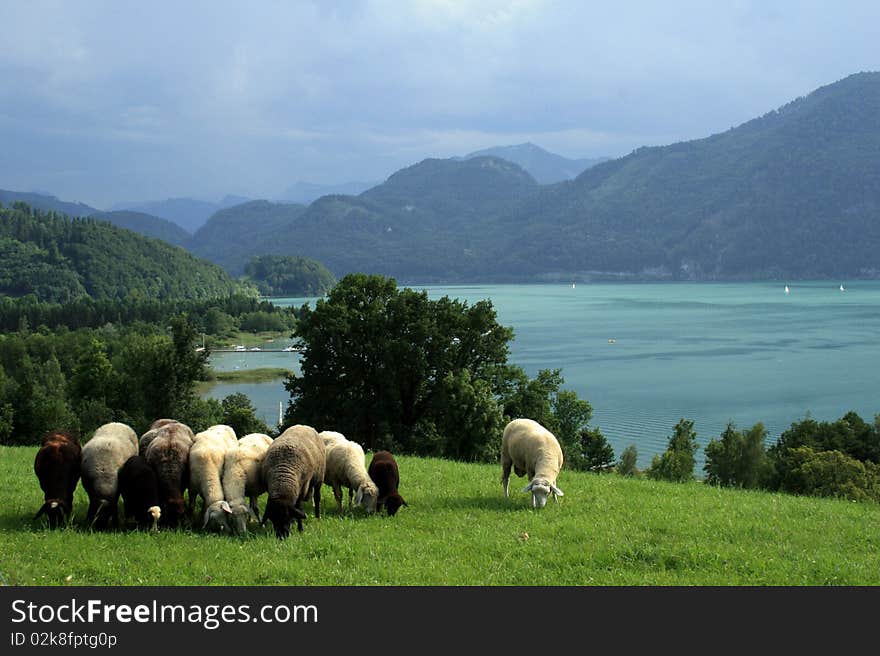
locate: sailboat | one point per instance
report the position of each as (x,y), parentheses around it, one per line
(787,289)
(572,285)
(842,288)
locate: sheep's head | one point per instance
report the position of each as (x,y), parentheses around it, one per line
(155,514)
(541,489)
(393,502)
(217,516)
(55,510)
(241,516)
(281,514)
(367,496)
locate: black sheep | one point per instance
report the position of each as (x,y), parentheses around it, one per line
(57,467)
(384,473)
(139,487)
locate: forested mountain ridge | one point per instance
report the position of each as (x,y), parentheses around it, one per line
(147,225)
(794,193)
(544,166)
(59,259)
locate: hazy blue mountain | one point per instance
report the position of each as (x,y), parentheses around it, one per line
(147,225)
(429,220)
(47,202)
(189,213)
(306,192)
(544,166)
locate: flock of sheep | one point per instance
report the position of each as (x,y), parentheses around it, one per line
(152,473)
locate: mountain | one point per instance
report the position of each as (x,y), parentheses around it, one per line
(46,202)
(57,258)
(792,194)
(188,213)
(431,220)
(544,166)
(307,192)
(147,225)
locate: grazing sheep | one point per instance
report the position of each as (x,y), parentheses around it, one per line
(147,437)
(139,488)
(330,438)
(346,467)
(242,477)
(102,458)
(57,466)
(293,470)
(386,475)
(168,455)
(205,470)
(534,451)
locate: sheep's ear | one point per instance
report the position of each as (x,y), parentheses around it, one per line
(207,516)
(359,496)
(556,491)
(225,506)
(528,488)
(41,511)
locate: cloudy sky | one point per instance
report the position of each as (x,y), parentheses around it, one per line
(113,101)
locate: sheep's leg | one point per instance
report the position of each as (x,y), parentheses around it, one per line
(350,497)
(337,492)
(505,474)
(255,508)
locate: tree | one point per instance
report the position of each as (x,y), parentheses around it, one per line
(239,413)
(676,464)
(737,458)
(628,460)
(596,454)
(391,368)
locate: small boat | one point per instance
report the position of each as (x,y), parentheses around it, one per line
(290,348)
(572,285)
(239,347)
(612,341)
(842,288)
(255,348)
(787,289)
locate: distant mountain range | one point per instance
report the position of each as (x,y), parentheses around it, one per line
(46,202)
(544,166)
(189,213)
(306,192)
(792,194)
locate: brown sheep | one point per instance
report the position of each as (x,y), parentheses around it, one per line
(384,473)
(168,455)
(57,466)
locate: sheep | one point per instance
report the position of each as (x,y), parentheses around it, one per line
(102,458)
(331,438)
(242,477)
(206,468)
(139,488)
(345,467)
(293,470)
(534,451)
(386,475)
(57,466)
(147,437)
(168,455)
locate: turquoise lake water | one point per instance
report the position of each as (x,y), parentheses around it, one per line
(648,354)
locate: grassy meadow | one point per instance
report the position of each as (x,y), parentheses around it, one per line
(460,530)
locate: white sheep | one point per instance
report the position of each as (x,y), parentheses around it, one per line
(102,458)
(331,438)
(206,458)
(531,450)
(346,467)
(242,477)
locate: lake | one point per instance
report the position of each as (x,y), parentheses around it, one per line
(648,354)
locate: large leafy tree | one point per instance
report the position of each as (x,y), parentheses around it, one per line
(391,368)
(738,458)
(676,464)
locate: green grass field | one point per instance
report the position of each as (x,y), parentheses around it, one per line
(460,530)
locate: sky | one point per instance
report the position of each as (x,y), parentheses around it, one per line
(118,101)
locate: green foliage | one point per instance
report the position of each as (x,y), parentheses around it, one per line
(596,454)
(628,460)
(276,275)
(676,464)
(58,259)
(738,458)
(391,368)
(831,474)
(239,413)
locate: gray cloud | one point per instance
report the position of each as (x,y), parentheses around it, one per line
(109,101)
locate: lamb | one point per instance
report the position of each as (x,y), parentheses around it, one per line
(531,450)
(168,455)
(57,466)
(139,488)
(102,458)
(345,467)
(386,475)
(293,470)
(242,477)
